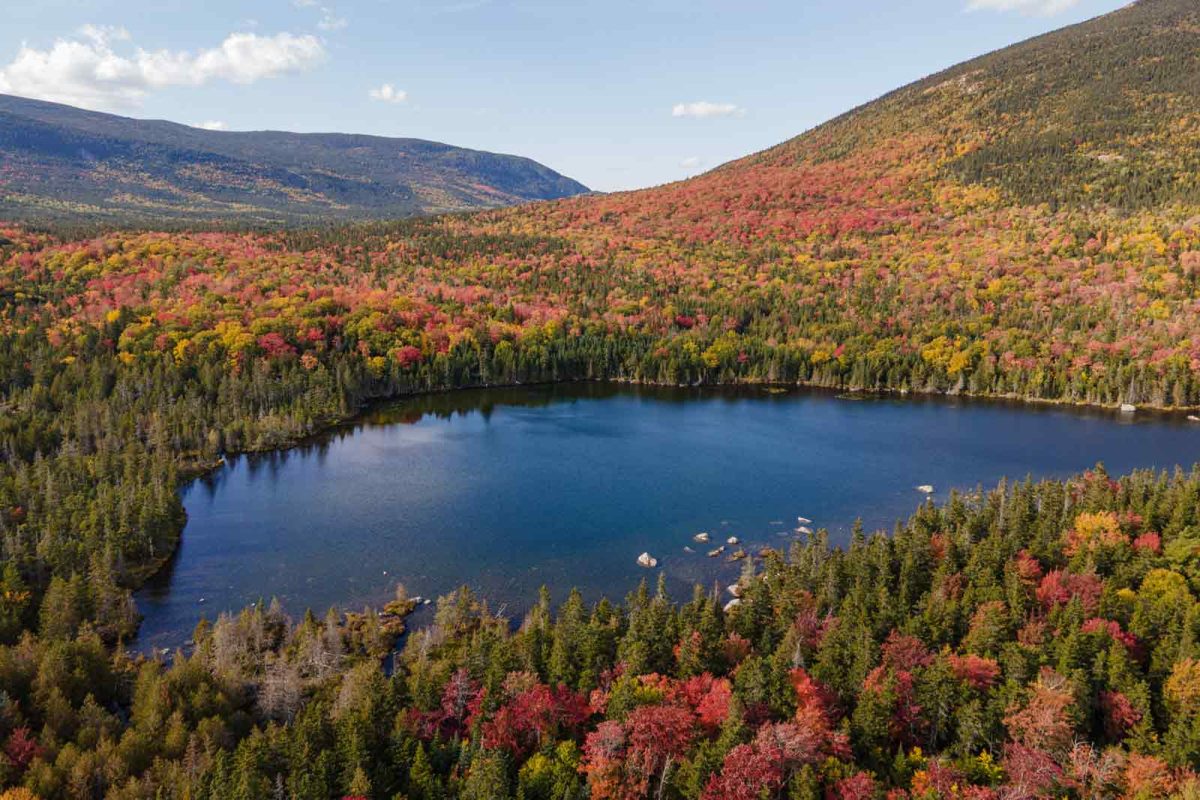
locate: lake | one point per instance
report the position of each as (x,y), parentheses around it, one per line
(510,489)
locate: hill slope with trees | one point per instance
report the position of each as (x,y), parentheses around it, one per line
(65,164)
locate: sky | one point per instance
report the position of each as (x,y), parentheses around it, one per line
(618,94)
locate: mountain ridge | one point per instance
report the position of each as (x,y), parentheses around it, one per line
(65,162)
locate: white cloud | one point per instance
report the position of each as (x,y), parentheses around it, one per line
(388,94)
(703,109)
(691,162)
(212,125)
(94,71)
(1043,8)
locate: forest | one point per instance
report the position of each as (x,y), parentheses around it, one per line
(1038,640)
(1035,641)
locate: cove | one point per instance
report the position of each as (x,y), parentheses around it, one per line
(509,489)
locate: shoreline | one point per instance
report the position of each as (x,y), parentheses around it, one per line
(193,469)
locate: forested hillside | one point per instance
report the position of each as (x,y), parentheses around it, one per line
(1025,225)
(60,164)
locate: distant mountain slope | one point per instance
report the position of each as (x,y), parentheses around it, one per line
(1102,114)
(58,161)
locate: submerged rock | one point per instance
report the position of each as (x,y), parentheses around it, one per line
(717,552)
(925,488)
(701,537)
(731,540)
(648,561)
(1128,408)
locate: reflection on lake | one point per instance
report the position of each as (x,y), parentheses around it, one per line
(510,489)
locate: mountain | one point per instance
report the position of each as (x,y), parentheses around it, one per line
(1100,115)
(1026,224)
(57,161)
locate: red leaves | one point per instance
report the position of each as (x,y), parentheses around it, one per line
(533,715)
(408,355)
(903,652)
(657,733)
(1147,776)
(1043,723)
(812,695)
(1113,630)
(1027,567)
(22,748)
(622,759)
(275,346)
(905,724)
(1030,773)
(777,751)
(1058,588)
(709,698)
(859,786)
(1120,715)
(744,776)
(1150,543)
(457,696)
(977,672)
(781,748)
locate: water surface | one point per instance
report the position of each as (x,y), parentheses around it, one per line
(510,489)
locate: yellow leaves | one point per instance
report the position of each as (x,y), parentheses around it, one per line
(1182,689)
(937,352)
(1158,310)
(464,338)
(18,793)
(113,316)
(1092,532)
(960,198)
(181,350)
(723,350)
(949,354)
(377,365)
(233,337)
(958,362)
(126,357)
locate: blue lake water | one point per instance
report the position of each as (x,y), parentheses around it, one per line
(506,490)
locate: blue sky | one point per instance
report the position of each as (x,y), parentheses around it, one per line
(615,93)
